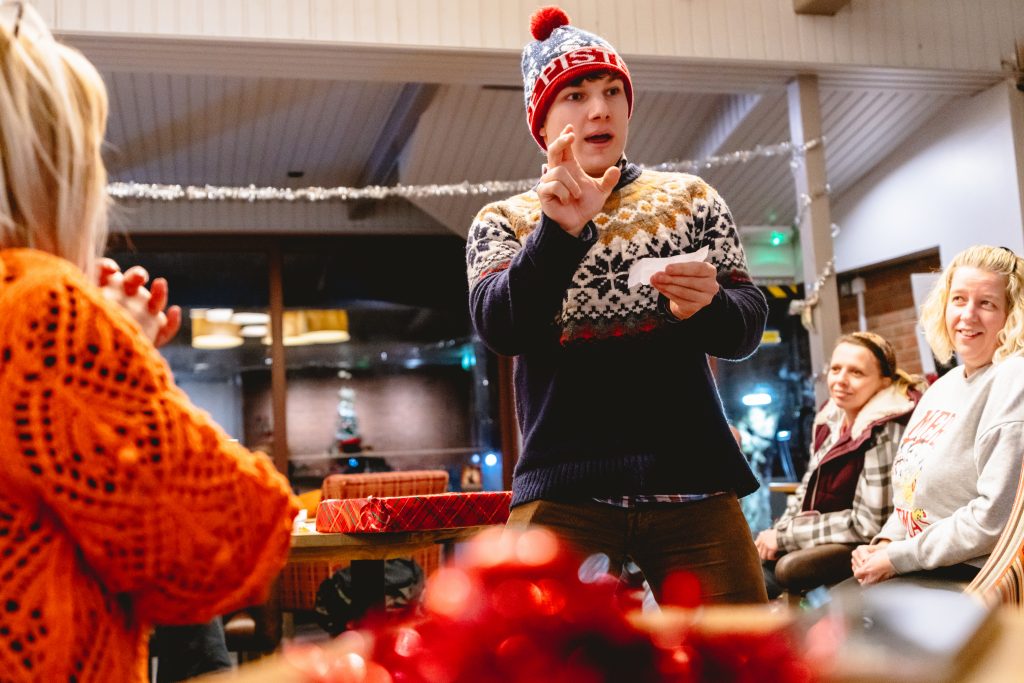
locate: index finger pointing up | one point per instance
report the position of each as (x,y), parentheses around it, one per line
(560,151)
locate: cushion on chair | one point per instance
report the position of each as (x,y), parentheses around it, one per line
(1001,579)
(820,565)
(239,626)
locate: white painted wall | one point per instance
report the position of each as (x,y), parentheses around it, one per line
(952,184)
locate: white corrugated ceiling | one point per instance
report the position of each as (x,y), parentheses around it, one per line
(196,126)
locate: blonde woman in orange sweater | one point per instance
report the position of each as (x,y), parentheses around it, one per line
(121,504)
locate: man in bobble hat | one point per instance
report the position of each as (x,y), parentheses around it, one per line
(625,449)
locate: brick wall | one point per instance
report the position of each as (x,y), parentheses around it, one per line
(889,304)
(430,407)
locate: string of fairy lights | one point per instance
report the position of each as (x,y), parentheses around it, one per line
(166,192)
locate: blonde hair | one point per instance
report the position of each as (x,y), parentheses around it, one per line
(998,260)
(53,114)
(885,356)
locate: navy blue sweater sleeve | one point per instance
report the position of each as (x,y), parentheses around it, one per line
(731,325)
(516,289)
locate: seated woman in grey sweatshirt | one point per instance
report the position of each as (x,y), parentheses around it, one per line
(956,471)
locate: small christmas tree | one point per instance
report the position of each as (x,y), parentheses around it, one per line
(346,434)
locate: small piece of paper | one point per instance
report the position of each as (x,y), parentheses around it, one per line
(640,272)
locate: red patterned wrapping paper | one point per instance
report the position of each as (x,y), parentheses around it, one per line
(412,513)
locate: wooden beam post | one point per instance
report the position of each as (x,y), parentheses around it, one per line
(508,425)
(815,221)
(278,369)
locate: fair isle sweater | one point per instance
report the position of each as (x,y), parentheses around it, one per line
(614,395)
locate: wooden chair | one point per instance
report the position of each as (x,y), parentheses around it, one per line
(300,580)
(1001,579)
(255,631)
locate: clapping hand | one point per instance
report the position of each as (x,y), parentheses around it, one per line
(145,306)
(567,194)
(871,564)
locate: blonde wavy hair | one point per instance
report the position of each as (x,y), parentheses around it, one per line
(998,260)
(53,114)
(885,357)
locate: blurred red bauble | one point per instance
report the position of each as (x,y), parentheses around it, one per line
(516,610)
(681,589)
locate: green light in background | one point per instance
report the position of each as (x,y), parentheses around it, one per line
(777,238)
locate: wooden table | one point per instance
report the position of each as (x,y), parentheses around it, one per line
(367,552)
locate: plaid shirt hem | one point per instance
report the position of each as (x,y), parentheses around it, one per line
(671,498)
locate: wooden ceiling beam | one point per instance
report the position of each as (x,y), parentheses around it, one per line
(382,166)
(821,7)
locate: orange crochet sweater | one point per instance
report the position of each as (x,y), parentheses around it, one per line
(121,504)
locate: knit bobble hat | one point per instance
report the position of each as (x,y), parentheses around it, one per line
(562,53)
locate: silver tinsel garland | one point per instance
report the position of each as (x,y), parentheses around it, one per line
(253,193)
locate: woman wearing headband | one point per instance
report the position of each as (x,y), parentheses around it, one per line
(121,504)
(955,475)
(845,496)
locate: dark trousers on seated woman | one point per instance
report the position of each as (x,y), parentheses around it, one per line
(954,578)
(771,584)
(802,570)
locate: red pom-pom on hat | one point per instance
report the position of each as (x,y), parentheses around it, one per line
(547,19)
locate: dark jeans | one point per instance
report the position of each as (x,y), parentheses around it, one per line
(770,583)
(185,652)
(802,570)
(709,538)
(953,578)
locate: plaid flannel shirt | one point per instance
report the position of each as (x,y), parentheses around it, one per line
(872,501)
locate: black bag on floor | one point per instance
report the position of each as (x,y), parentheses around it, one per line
(403,584)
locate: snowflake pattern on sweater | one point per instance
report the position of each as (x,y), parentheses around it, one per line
(658,215)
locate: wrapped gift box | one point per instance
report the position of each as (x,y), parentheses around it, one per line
(412,513)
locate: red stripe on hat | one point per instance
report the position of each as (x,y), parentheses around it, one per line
(568,67)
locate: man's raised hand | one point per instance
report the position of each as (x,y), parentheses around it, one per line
(567,194)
